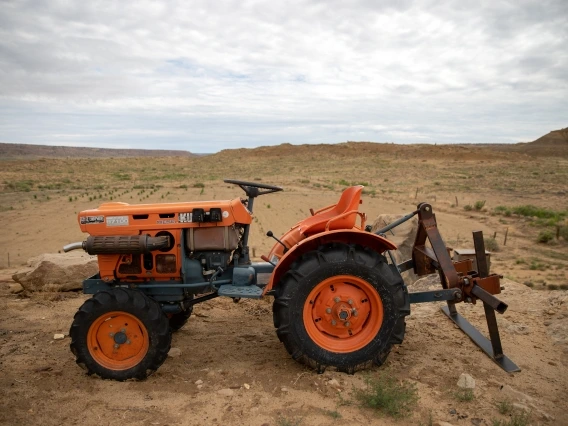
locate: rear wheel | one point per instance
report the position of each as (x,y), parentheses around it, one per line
(120,334)
(341,305)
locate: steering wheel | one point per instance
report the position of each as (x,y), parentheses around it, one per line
(253,189)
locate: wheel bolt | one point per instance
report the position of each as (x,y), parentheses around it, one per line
(354,312)
(111,334)
(336,300)
(333,322)
(346,323)
(116,346)
(350,301)
(128,342)
(123,330)
(328,310)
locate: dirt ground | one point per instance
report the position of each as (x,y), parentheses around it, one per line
(232,368)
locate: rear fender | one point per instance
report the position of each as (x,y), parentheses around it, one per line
(352,236)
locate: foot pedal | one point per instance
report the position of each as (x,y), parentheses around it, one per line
(244,291)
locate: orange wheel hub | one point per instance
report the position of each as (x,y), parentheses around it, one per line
(343,313)
(118,340)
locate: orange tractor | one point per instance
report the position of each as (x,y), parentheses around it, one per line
(339,298)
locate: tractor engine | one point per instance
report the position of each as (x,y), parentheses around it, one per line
(169,243)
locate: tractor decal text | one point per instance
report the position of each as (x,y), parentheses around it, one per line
(185,217)
(117,220)
(165,221)
(92,219)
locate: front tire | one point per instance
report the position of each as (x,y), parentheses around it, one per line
(120,334)
(342,306)
(177,321)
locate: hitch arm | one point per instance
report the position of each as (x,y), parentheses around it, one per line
(469,285)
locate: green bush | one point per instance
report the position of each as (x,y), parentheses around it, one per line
(468,207)
(520,418)
(545,217)
(464,395)
(478,205)
(20,185)
(199,185)
(545,236)
(387,394)
(491,244)
(563,232)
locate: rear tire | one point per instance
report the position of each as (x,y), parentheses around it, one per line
(120,334)
(342,306)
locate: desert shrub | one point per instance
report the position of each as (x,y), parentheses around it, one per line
(334,414)
(20,185)
(505,407)
(545,236)
(552,287)
(563,232)
(387,394)
(464,395)
(544,216)
(343,182)
(199,185)
(519,418)
(478,205)
(468,207)
(305,181)
(491,244)
(537,266)
(529,284)
(563,286)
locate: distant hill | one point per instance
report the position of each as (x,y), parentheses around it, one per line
(553,144)
(18,150)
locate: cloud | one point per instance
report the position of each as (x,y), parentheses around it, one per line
(205,75)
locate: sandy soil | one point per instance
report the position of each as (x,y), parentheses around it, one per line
(233,370)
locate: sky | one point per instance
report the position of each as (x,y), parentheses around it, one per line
(203,76)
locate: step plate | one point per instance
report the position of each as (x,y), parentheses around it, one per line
(245,291)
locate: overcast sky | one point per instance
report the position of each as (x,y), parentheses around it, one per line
(208,75)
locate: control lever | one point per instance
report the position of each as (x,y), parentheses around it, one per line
(271,235)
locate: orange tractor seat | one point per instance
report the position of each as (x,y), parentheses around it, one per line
(337,216)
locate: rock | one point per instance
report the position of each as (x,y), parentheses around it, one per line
(226,392)
(515,395)
(15,288)
(520,407)
(466,381)
(199,382)
(403,237)
(56,272)
(199,386)
(440,423)
(58,336)
(174,352)
(284,389)
(333,382)
(520,329)
(247,386)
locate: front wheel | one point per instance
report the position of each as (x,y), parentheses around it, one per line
(341,305)
(120,334)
